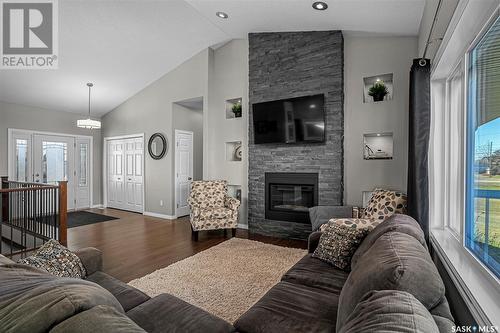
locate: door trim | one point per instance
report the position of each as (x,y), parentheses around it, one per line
(31,133)
(105,166)
(175,163)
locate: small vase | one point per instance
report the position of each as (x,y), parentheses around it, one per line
(378,98)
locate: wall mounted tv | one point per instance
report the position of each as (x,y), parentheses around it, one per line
(294,120)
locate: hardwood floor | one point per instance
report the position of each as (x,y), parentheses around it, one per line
(136,245)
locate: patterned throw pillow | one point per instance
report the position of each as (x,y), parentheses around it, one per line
(384,203)
(56,260)
(338,243)
(352,223)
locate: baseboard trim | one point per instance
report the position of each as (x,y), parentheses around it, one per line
(160,216)
(100,206)
(242,226)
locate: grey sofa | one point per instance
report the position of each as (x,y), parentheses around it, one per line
(34,301)
(313,296)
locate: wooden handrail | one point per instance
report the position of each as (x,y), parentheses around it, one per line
(26,206)
(63,212)
(27,189)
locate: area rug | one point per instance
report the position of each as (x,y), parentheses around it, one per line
(225,280)
(76,219)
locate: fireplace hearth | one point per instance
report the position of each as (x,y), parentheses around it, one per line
(289,196)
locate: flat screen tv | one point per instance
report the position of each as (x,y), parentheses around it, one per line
(293,120)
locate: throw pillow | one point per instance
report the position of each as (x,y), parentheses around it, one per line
(56,260)
(338,243)
(384,203)
(354,223)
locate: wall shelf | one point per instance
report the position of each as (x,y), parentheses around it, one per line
(368,82)
(378,146)
(229,108)
(233,151)
(234,190)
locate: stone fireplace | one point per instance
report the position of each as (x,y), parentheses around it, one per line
(289,196)
(286,65)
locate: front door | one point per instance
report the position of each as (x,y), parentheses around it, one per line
(183,169)
(53,161)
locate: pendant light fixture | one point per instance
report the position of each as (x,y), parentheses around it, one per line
(89,123)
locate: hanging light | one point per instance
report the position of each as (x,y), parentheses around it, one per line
(89,123)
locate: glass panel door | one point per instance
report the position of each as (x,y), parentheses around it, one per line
(53,161)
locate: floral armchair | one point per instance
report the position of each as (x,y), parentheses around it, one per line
(211,207)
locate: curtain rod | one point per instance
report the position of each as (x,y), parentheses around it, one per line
(422,61)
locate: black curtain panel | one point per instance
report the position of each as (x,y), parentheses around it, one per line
(418,143)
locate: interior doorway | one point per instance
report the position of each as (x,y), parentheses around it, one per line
(187,123)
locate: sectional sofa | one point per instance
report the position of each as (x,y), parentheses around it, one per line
(393,284)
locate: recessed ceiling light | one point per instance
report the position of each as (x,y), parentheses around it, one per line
(222,15)
(320,5)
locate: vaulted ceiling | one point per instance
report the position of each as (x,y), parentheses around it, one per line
(122,46)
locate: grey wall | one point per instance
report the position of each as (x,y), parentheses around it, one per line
(370,56)
(37,119)
(150,111)
(292,64)
(228,79)
(187,119)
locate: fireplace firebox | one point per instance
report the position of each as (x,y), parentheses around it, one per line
(289,196)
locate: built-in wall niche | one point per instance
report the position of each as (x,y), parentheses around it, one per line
(234,108)
(377,146)
(377,88)
(234,151)
(234,190)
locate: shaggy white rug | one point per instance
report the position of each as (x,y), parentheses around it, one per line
(225,280)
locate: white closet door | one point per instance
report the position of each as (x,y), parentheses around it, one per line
(134,154)
(115,174)
(125,174)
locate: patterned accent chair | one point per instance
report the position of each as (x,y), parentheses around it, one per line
(211,207)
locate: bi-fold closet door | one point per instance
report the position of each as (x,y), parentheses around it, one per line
(125,174)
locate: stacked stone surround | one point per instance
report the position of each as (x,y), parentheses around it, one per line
(293,64)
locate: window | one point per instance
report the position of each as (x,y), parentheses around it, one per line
(454,150)
(482,222)
(82,172)
(21,161)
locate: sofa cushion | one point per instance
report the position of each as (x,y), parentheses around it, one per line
(56,260)
(208,194)
(442,316)
(338,243)
(315,273)
(398,222)
(215,213)
(167,313)
(352,222)
(291,308)
(389,311)
(129,297)
(396,261)
(101,318)
(383,204)
(33,301)
(320,215)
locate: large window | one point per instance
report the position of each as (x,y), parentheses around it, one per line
(482,229)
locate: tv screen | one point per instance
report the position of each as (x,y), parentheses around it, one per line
(293,120)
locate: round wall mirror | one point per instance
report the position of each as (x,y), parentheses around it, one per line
(157,146)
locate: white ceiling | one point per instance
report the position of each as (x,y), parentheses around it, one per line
(122,46)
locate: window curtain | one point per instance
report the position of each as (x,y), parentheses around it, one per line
(418,143)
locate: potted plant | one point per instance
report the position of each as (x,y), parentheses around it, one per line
(378,91)
(236,109)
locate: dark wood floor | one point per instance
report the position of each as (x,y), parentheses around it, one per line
(136,245)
